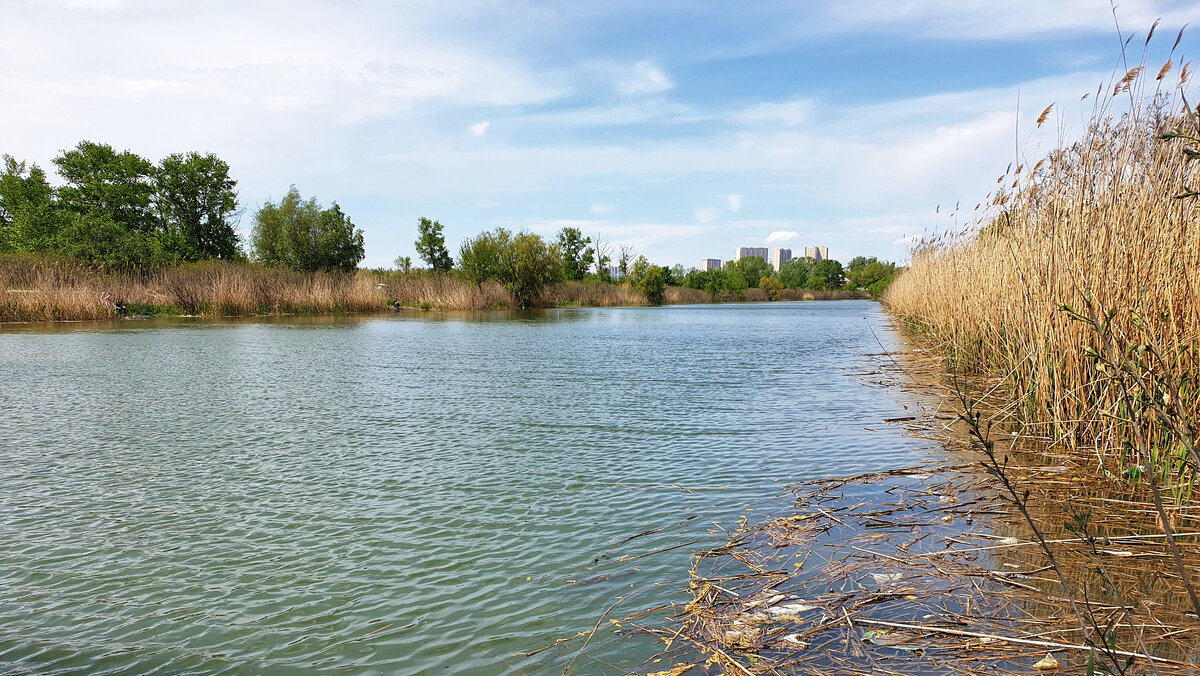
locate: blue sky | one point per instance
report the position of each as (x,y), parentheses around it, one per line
(681,128)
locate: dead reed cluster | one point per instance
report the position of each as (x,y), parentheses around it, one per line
(929,570)
(1081,287)
(43,288)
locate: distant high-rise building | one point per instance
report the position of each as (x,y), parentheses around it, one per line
(781,256)
(707,264)
(817,253)
(747,251)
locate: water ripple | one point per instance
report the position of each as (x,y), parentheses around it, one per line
(401,494)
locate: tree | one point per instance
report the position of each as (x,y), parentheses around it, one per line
(653,283)
(404,263)
(603,260)
(711,282)
(735,279)
(482,257)
(431,245)
(624,259)
(196,202)
(101,182)
(825,275)
(677,273)
(752,269)
(529,265)
(577,257)
(772,286)
(301,235)
(29,219)
(794,273)
(640,267)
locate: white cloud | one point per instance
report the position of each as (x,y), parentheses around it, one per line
(646,78)
(704,215)
(601,209)
(479,128)
(734,202)
(786,114)
(782,236)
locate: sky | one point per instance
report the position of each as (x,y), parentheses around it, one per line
(680,128)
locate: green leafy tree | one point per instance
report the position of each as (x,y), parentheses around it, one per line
(653,283)
(637,271)
(196,203)
(301,235)
(752,269)
(825,275)
(677,273)
(103,183)
(528,266)
(714,283)
(772,286)
(577,257)
(483,257)
(711,282)
(734,280)
(794,273)
(404,264)
(29,218)
(871,274)
(431,245)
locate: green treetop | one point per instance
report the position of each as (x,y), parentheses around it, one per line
(431,245)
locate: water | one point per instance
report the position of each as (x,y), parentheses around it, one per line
(417,493)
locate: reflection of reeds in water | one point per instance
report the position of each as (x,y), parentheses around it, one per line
(1096,224)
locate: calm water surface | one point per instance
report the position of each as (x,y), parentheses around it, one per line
(418,493)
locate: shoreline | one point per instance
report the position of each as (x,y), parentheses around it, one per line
(936,566)
(142,311)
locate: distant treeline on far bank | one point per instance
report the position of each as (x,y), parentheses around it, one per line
(162,238)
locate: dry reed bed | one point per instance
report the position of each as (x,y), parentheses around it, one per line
(42,288)
(1095,226)
(51,289)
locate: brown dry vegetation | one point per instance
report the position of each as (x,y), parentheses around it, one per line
(49,288)
(1097,226)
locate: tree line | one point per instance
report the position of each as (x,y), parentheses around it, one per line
(735,277)
(120,210)
(525,264)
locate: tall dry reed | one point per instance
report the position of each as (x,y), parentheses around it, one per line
(1098,226)
(46,288)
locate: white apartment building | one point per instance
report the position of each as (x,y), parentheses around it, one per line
(747,251)
(707,264)
(817,253)
(781,256)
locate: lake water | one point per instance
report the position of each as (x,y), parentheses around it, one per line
(415,493)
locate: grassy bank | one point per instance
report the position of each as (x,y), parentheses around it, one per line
(1081,291)
(50,288)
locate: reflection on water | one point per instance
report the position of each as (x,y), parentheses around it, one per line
(404,493)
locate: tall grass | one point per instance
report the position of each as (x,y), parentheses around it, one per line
(1097,226)
(45,288)
(49,288)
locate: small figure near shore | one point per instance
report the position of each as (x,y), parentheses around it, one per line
(396,305)
(105,299)
(120,307)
